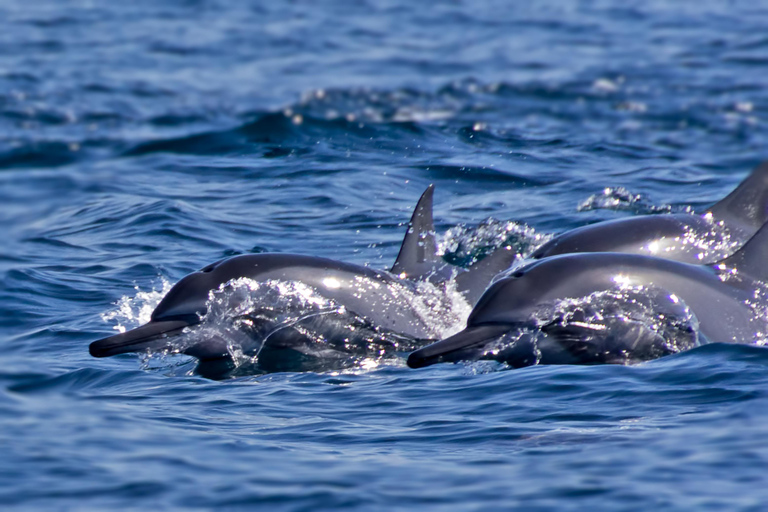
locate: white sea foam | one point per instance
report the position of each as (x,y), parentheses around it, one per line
(134,310)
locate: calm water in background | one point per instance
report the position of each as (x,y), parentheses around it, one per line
(140,141)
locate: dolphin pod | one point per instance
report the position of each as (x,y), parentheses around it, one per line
(513,321)
(558,308)
(620,291)
(368,300)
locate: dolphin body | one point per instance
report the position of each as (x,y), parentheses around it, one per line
(737,218)
(368,300)
(507,325)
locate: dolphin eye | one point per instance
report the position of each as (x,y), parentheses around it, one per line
(518,273)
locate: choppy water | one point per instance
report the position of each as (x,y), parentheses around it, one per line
(143,140)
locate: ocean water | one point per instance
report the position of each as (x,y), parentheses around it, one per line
(140,141)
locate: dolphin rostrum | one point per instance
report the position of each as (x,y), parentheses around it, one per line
(682,237)
(567,309)
(357,296)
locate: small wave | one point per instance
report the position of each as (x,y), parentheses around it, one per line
(272,134)
(482,174)
(40,154)
(396,119)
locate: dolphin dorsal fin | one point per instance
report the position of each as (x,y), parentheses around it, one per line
(418,254)
(752,258)
(473,282)
(747,206)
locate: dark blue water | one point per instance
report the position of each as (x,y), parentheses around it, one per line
(140,141)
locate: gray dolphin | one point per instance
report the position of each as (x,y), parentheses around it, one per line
(512,321)
(682,237)
(373,299)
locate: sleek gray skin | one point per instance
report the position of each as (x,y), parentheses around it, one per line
(668,236)
(717,300)
(379,297)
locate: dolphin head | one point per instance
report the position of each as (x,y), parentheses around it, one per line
(514,296)
(187,301)
(506,305)
(519,319)
(183,306)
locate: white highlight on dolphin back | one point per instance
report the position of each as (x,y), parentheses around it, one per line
(758,304)
(713,245)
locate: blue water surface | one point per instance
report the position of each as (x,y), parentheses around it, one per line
(142,140)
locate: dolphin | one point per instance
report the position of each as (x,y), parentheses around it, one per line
(513,321)
(362,299)
(682,237)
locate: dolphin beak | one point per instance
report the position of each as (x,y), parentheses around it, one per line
(150,335)
(457,347)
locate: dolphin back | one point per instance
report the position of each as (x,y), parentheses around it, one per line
(152,336)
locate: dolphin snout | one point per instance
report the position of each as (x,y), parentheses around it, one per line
(461,346)
(151,335)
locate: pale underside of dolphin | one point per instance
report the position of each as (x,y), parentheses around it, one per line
(379,301)
(727,302)
(679,237)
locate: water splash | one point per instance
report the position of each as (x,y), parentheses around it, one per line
(246,313)
(288,326)
(644,310)
(463,245)
(441,306)
(627,325)
(132,311)
(621,199)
